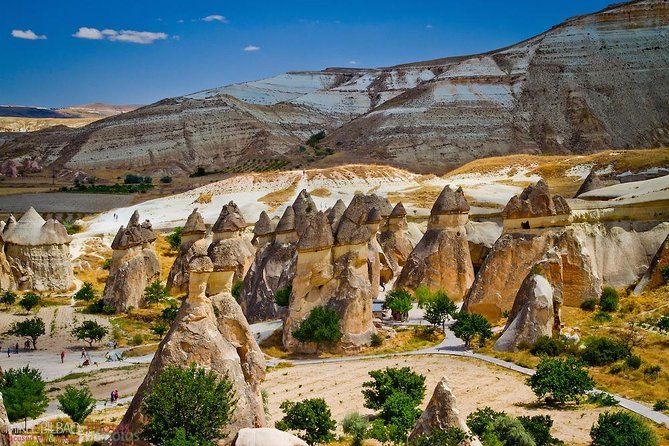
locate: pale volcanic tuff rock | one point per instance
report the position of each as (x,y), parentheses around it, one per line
(5,426)
(593,182)
(536,308)
(193,243)
(134,265)
(335,213)
(38,253)
(263,231)
(6,277)
(535,208)
(229,248)
(441,260)
(223,344)
(653,278)
(441,413)
(305,209)
(395,243)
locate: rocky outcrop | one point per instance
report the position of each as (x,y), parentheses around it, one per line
(535,208)
(193,244)
(134,265)
(5,427)
(305,209)
(38,253)
(441,413)
(229,247)
(441,260)
(395,243)
(6,277)
(334,271)
(334,214)
(592,182)
(536,308)
(263,231)
(655,275)
(210,331)
(266,437)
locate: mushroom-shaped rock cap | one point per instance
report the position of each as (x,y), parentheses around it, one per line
(304,204)
(376,201)
(201,264)
(133,235)
(32,230)
(352,229)
(264,225)
(287,222)
(230,219)
(318,234)
(195,224)
(335,213)
(398,211)
(374,216)
(450,202)
(535,201)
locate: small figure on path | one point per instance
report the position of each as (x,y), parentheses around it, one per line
(111,396)
(115,395)
(16,348)
(83,352)
(62,357)
(8,355)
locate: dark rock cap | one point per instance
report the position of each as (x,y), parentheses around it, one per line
(591,182)
(335,213)
(134,234)
(535,201)
(264,225)
(287,222)
(230,219)
(450,202)
(304,204)
(398,211)
(195,224)
(318,234)
(352,229)
(374,216)
(376,201)
(201,264)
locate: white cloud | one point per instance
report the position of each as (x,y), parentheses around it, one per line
(353,62)
(141,37)
(88,33)
(215,18)
(429,26)
(27,35)
(250,48)
(180,21)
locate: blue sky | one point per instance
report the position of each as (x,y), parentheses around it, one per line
(139,51)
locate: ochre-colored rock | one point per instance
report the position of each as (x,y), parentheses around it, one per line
(535,208)
(193,244)
(210,331)
(267,437)
(441,260)
(134,265)
(5,427)
(38,254)
(441,413)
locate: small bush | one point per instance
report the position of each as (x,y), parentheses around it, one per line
(547,346)
(621,429)
(311,418)
(136,340)
(602,351)
(29,301)
(512,432)
(452,436)
(155,292)
(663,323)
(609,301)
(661,405)
(174,238)
(356,426)
(236,289)
(589,305)
(131,178)
(166,179)
(106,264)
(480,420)
(282,295)
(633,362)
(653,371)
(539,427)
(377,340)
(602,316)
(8,297)
(602,399)
(322,325)
(85,293)
(99,307)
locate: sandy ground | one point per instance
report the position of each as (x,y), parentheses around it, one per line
(475,385)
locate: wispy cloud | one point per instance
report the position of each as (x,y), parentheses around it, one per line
(215,18)
(141,37)
(27,35)
(353,62)
(428,26)
(251,48)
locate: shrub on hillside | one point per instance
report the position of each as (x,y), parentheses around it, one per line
(560,380)
(602,351)
(174,238)
(322,325)
(282,295)
(356,426)
(311,419)
(85,293)
(452,436)
(633,362)
(621,429)
(589,305)
(548,346)
(609,300)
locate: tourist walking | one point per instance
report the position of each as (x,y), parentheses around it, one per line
(16,348)
(62,357)
(83,352)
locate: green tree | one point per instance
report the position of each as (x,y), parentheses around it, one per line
(192,399)
(356,426)
(311,419)
(90,331)
(8,297)
(621,429)
(560,380)
(423,295)
(166,179)
(24,394)
(322,325)
(482,420)
(169,314)
(609,300)
(77,403)
(470,326)
(282,295)
(512,432)
(174,238)
(180,439)
(439,309)
(539,427)
(85,293)
(452,436)
(29,328)
(29,301)
(155,292)
(399,302)
(602,351)
(236,289)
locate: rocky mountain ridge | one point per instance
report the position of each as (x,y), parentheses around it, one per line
(594,82)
